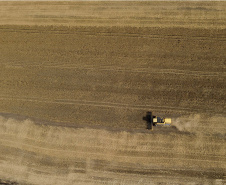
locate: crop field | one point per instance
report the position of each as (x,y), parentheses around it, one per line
(76,79)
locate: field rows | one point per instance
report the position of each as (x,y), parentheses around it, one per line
(118,69)
(209,38)
(26,148)
(137,14)
(76,79)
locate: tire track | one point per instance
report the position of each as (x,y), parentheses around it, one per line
(67,154)
(105,104)
(126,170)
(132,70)
(111,34)
(41,179)
(67,128)
(165,156)
(123,166)
(142,144)
(125,150)
(122,149)
(96,148)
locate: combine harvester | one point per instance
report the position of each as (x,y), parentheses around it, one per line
(155,121)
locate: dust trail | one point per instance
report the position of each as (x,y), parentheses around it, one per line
(201,124)
(42,154)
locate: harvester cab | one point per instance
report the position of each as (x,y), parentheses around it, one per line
(155,121)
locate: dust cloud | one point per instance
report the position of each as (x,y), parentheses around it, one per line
(201,124)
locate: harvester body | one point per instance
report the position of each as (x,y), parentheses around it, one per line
(155,121)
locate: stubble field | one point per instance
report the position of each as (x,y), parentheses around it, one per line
(77,78)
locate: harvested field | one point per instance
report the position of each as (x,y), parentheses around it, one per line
(77,78)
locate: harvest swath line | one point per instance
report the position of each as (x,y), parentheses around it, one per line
(121,149)
(112,34)
(179,143)
(113,165)
(49,168)
(112,139)
(138,70)
(84,56)
(163,149)
(95,177)
(29,146)
(101,104)
(35,174)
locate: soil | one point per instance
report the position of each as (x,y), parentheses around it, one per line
(78,77)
